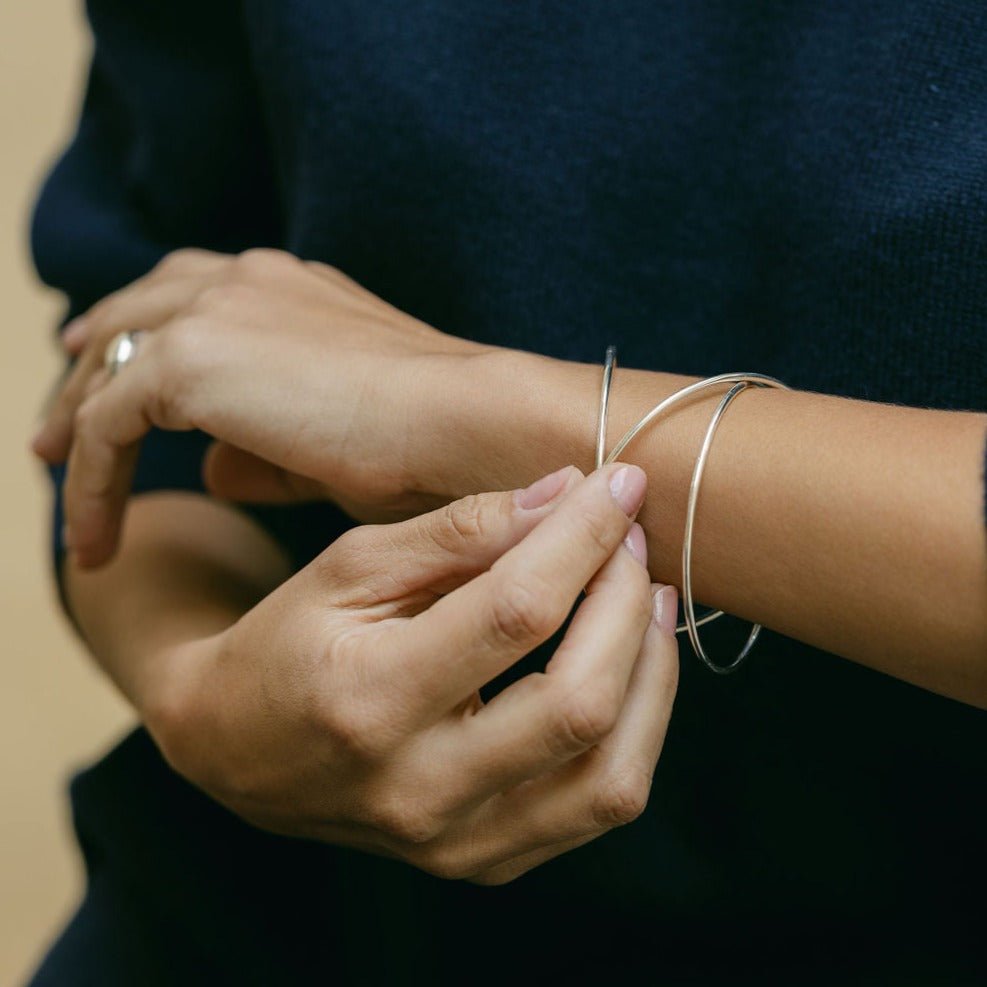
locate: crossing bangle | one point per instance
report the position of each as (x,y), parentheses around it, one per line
(739,382)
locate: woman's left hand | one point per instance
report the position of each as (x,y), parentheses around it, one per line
(285,361)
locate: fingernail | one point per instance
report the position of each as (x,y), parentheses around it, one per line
(541,491)
(627,487)
(666,609)
(74,331)
(636,544)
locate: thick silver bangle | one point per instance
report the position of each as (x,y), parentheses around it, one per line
(740,382)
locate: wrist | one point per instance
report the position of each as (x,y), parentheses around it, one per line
(512,416)
(171,705)
(507,417)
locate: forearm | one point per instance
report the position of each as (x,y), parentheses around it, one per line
(853,526)
(188,568)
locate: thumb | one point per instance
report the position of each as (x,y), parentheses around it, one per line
(446,548)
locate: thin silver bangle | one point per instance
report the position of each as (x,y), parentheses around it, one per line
(688,606)
(609,364)
(680,396)
(762,380)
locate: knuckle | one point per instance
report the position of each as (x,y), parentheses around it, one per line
(601,527)
(621,798)
(178,364)
(170,264)
(182,349)
(641,602)
(449,863)
(324,269)
(223,297)
(524,613)
(84,418)
(346,558)
(180,260)
(496,878)
(357,728)
(180,343)
(586,716)
(259,261)
(410,822)
(100,317)
(464,520)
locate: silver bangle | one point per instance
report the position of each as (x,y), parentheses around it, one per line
(688,606)
(609,364)
(740,381)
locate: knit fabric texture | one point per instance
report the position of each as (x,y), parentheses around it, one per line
(797,188)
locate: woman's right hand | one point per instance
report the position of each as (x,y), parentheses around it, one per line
(345,706)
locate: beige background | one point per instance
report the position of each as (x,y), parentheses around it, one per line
(56,713)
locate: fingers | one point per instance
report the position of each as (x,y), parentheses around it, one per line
(54,439)
(108,430)
(511,870)
(542,721)
(146,304)
(523,598)
(441,550)
(75,335)
(608,786)
(143,304)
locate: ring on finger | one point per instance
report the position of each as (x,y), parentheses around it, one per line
(121,350)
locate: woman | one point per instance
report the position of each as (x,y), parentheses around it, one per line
(795,192)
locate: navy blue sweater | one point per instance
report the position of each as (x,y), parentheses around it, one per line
(794,187)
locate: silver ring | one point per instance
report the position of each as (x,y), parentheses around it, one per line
(121,350)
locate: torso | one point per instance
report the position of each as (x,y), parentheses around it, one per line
(798,189)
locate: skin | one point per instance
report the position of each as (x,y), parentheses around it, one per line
(854,526)
(342,705)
